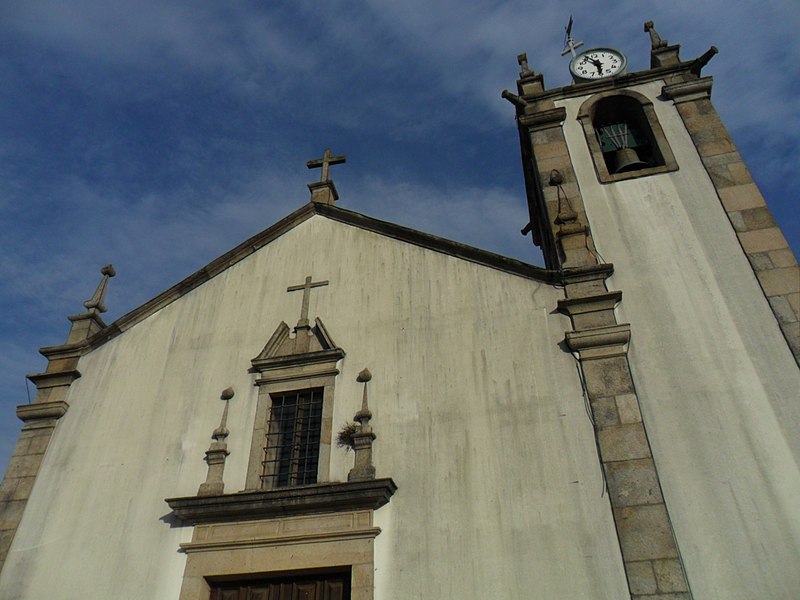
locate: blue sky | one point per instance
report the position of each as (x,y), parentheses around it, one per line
(156,135)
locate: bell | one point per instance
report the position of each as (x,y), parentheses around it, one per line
(626,159)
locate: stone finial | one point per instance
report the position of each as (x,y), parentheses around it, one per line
(87,323)
(661,53)
(363,438)
(95,304)
(217,453)
(656,41)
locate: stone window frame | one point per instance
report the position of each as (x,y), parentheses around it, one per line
(321,376)
(655,135)
(267,547)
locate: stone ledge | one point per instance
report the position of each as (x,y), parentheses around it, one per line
(689,90)
(310,499)
(544,119)
(309,364)
(41,410)
(574,275)
(249,543)
(600,342)
(43,381)
(591,303)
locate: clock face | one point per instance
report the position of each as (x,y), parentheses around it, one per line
(598,63)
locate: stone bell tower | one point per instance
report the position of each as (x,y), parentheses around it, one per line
(634,186)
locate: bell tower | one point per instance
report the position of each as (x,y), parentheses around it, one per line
(635,187)
(610,135)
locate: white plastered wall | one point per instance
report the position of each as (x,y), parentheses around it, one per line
(478,412)
(719,389)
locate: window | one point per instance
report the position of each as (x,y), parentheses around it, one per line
(624,136)
(291,442)
(291,446)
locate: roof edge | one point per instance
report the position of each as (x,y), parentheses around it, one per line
(440,244)
(254,243)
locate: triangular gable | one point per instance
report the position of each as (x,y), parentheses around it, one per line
(258,241)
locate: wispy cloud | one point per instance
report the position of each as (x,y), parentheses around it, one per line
(158,135)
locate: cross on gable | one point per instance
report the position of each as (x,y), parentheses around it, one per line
(325,162)
(306,287)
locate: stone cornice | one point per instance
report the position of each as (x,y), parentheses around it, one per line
(94,317)
(41,410)
(308,358)
(599,342)
(298,366)
(670,73)
(589,273)
(54,379)
(309,499)
(587,304)
(64,351)
(255,542)
(687,91)
(545,119)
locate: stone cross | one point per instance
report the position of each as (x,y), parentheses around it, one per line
(325,162)
(524,69)
(306,287)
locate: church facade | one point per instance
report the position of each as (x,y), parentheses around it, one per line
(341,408)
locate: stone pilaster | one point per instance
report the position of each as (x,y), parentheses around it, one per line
(559,221)
(649,551)
(41,416)
(555,178)
(769,254)
(40,420)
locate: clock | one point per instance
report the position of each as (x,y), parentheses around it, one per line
(597,63)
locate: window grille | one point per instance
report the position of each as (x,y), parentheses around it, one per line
(291,451)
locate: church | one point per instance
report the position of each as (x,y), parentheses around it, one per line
(342,408)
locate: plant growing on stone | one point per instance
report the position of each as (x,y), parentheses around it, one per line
(345,439)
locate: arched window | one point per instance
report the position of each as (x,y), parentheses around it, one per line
(624,136)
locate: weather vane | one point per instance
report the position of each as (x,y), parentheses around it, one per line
(569,42)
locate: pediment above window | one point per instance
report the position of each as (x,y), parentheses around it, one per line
(311,351)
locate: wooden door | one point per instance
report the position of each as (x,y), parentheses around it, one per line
(317,587)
